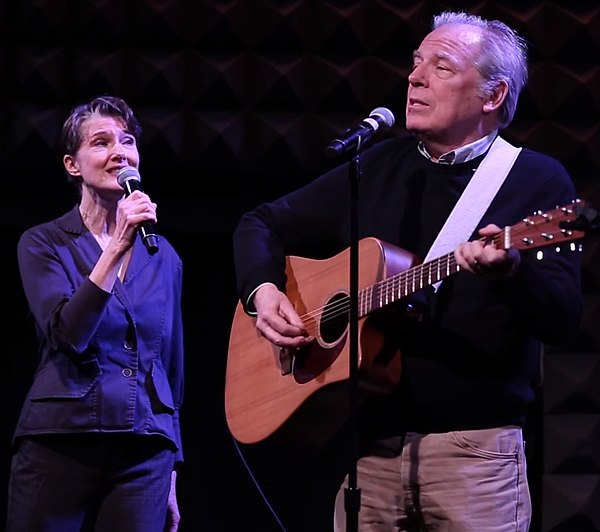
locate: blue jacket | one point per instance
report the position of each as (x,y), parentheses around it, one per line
(109,362)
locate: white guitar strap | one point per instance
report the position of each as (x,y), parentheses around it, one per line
(475,199)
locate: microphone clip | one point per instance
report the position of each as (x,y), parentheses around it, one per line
(380,119)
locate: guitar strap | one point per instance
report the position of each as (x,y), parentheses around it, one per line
(475,199)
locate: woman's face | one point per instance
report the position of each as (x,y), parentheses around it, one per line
(106,147)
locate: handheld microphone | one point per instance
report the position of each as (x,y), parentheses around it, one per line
(380,119)
(130,180)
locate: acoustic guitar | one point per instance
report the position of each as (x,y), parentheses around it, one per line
(265,385)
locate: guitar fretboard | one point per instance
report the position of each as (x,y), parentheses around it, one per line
(533,232)
(405,283)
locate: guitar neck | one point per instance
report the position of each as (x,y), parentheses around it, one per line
(403,284)
(560,225)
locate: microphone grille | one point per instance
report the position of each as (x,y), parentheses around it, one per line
(127,173)
(385,114)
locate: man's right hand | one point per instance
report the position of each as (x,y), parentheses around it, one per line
(277,320)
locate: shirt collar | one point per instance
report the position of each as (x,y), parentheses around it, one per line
(464,153)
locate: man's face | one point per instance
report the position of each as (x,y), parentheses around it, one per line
(444,104)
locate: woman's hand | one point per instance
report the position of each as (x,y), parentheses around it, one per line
(173,516)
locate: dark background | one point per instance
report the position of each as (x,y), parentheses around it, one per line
(237,100)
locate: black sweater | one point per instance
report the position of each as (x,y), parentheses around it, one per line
(472,361)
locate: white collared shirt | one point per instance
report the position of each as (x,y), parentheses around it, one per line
(464,153)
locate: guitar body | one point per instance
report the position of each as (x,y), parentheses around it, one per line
(265,386)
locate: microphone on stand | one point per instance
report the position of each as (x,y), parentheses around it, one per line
(380,119)
(130,180)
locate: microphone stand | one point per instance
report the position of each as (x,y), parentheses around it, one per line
(352,492)
(356,139)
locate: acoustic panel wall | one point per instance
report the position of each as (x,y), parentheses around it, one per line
(238,100)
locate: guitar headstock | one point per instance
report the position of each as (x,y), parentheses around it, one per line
(562,224)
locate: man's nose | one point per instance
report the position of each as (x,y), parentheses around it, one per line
(417,76)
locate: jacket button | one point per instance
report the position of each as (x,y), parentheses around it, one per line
(126,372)
(127,345)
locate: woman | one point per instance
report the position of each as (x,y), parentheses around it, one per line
(98,439)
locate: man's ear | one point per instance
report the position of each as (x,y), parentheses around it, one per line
(496,97)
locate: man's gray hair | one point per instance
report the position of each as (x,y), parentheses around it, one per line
(503,57)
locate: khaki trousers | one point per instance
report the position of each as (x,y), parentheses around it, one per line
(466,481)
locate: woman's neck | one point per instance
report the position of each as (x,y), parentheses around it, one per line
(99,219)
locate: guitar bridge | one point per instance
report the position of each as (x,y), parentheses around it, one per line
(286,361)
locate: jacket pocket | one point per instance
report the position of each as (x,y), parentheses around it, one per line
(60,378)
(159,390)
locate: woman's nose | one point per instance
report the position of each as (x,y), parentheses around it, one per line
(119,153)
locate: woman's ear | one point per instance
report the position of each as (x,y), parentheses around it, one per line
(71,165)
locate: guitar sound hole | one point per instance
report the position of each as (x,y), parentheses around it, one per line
(311,361)
(334,319)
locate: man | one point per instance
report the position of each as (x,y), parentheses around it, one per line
(444,449)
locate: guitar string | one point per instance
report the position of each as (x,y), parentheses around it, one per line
(518,232)
(380,291)
(387,287)
(383,292)
(387,290)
